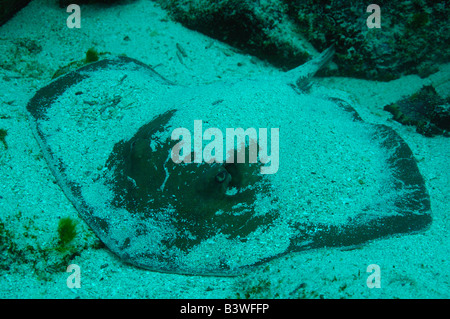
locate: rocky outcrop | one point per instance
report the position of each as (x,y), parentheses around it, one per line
(414,35)
(9,7)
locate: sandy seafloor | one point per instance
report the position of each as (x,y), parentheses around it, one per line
(31,203)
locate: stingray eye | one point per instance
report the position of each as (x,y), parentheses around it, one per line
(221,177)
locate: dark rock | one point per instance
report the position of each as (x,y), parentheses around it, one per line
(9,7)
(263,30)
(413,34)
(65,3)
(426,110)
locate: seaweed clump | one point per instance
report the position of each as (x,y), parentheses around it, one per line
(3,134)
(8,249)
(66,231)
(91,56)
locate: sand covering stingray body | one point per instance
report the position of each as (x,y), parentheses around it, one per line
(105,131)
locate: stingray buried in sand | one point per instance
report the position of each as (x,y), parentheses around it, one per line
(105,131)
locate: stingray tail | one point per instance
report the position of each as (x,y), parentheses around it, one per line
(304,72)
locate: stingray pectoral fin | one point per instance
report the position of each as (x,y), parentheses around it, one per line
(412,205)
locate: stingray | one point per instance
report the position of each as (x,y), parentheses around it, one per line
(107,133)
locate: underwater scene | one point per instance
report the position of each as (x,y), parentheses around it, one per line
(271,149)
